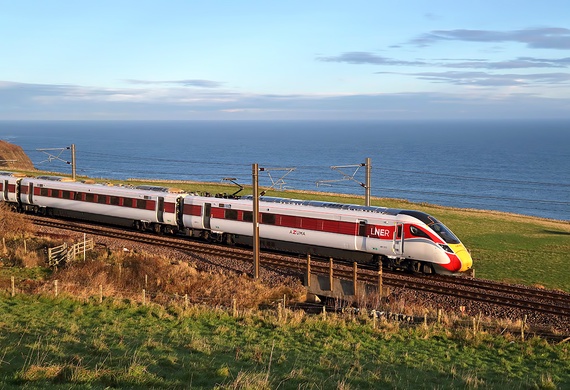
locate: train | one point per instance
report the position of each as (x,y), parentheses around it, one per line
(395,238)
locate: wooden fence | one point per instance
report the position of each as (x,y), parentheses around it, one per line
(67,253)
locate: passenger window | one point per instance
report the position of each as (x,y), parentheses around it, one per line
(362,228)
(268,219)
(247,216)
(231,214)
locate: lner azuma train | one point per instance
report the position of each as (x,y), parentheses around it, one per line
(399,239)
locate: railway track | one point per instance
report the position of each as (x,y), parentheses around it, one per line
(480,290)
(528,299)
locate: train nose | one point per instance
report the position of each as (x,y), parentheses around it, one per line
(463,255)
(465,258)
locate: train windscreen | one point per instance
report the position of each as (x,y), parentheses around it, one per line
(444,233)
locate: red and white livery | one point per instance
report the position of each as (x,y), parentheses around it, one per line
(400,239)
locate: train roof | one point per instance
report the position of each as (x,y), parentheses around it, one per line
(330,205)
(55,178)
(12,174)
(170,190)
(104,188)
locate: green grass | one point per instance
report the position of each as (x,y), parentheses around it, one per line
(46,343)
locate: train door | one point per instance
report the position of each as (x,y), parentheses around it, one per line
(361,234)
(180,212)
(206,215)
(31,193)
(398,240)
(5,190)
(160,209)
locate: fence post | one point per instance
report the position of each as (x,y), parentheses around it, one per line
(25,246)
(331,277)
(13,286)
(523,326)
(185,301)
(380,281)
(100,293)
(234,307)
(144,297)
(355,277)
(308,270)
(55,285)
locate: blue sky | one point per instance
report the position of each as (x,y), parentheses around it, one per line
(284,60)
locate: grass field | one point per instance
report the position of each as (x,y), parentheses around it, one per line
(62,343)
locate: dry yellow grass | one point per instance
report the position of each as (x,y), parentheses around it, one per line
(164,280)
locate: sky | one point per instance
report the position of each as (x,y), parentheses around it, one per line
(284,60)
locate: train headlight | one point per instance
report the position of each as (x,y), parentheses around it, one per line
(446,248)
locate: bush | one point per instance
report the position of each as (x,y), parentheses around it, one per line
(14,225)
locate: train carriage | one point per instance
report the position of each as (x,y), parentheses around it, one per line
(9,187)
(400,238)
(132,207)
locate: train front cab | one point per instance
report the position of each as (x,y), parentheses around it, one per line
(458,259)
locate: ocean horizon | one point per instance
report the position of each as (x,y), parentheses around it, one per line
(520,167)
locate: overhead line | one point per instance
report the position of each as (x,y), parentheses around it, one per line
(326,167)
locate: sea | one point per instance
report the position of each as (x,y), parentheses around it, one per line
(520,167)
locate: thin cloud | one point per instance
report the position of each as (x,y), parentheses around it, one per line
(519,63)
(484,79)
(362,57)
(184,83)
(536,38)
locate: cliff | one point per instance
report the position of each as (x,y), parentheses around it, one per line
(13,157)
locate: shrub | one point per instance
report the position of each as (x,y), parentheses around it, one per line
(14,225)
